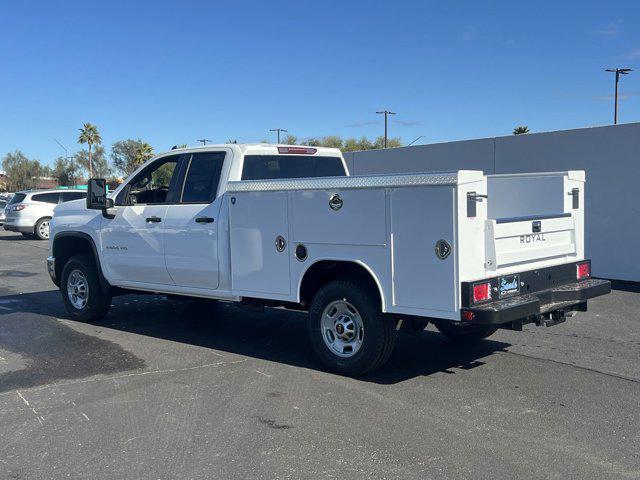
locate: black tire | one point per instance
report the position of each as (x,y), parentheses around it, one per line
(464,333)
(36,231)
(97,301)
(379,337)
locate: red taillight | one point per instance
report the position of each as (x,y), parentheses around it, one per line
(481,292)
(468,315)
(583,270)
(19,207)
(297,150)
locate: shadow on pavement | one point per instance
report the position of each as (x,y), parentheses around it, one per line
(275,335)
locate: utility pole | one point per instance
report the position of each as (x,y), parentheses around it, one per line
(67,157)
(618,72)
(386,114)
(203,141)
(278,130)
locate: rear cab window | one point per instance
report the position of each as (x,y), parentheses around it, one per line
(268,167)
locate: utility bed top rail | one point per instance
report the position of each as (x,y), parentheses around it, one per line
(368,181)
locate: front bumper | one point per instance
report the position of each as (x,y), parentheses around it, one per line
(18,228)
(51,268)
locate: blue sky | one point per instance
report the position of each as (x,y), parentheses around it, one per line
(173,72)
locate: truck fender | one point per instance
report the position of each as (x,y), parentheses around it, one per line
(359,263)
(63,248)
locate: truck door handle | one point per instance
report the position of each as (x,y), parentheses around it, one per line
(154,219)
(204,220)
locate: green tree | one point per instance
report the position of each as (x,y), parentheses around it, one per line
(22,172)
(98,166)
(65,171)
(332,141)
(520,130)
(313,142)
(128,155)
(290,140)
(393,142)
(89,135)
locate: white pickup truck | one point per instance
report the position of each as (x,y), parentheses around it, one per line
(286,226)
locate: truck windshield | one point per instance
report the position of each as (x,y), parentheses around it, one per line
(263,167)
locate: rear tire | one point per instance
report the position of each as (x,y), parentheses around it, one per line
(41,230)
(82,292)
(348,330)
(464,333)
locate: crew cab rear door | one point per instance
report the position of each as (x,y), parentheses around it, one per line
(191,227)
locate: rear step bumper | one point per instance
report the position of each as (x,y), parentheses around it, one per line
(551,303)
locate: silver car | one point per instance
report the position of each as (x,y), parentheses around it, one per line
(29,211)
(3,204)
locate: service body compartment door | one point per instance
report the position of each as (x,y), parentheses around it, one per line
(259,233)
(420,217)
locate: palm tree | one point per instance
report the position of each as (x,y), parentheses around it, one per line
(144,153)
(520,130)
(89,135)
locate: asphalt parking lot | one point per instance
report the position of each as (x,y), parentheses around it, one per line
(166,389)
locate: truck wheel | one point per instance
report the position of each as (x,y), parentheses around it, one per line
(42,229)
(82,293)
(464,333)
(347,329)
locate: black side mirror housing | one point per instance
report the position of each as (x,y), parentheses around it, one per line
(97,195)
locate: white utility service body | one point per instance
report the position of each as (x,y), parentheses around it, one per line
(450,246)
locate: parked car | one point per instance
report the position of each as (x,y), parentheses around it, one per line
(30,211)
(3,204)
(286,226)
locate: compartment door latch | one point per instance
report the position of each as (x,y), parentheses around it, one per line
(575,193)
(472,199)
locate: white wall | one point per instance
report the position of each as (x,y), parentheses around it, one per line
(610,156)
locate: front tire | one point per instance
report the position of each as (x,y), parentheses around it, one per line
(82,293)
(41,230)
(464,333)
(348,330)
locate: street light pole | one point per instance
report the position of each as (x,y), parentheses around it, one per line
(618,72)
(386,114)
(278,130)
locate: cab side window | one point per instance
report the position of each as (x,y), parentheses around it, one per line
(152,185)
(202,177)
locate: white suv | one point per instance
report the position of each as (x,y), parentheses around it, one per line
(29,211)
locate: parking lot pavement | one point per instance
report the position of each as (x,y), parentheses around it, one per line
(167,389)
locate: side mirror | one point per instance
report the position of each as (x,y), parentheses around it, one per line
(97,195)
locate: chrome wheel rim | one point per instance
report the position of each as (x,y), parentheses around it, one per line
(342,329)
(43,229)
(77,289)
